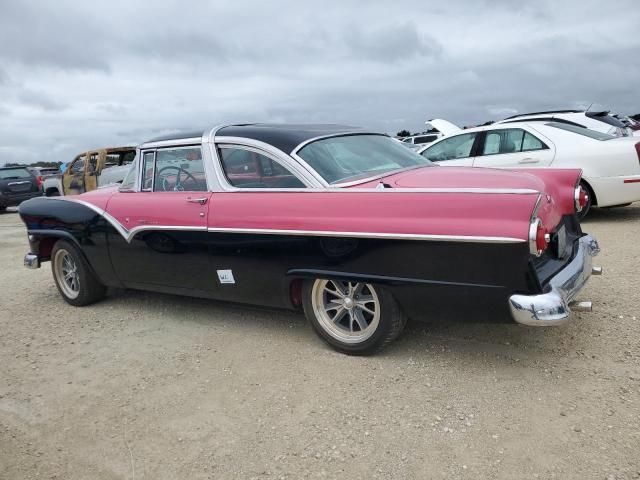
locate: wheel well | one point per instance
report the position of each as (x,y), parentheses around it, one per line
(51,190)
(594,199)
(46,245)
(295,292)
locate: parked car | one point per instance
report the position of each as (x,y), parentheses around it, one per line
(91,170)
(349,226)
(17,184)
(599,121)
(422,138)
(44,171)
(610,166)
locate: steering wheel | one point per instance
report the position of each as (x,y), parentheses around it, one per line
(178,185)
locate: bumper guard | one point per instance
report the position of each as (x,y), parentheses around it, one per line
(553,307)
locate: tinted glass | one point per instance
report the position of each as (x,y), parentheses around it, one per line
(248,169)
(147,170)
(510,141)
(451,148)
(11,173)
(353,157)
(531,143)
(425,139)
(179,170)
(581,131)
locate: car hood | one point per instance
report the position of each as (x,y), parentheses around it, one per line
(443,126)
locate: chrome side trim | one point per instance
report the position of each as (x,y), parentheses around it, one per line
(553,307)
(128,234)
(394,236)
(494,191)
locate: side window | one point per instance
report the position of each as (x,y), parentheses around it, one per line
(532,143)
(179,170)
(129,182)
(511,140)
(78,166)
(147,171)
(248,169)
(455,147)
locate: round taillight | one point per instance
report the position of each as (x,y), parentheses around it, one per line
(538,237)
(581,198)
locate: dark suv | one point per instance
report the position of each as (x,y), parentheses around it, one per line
(17,184)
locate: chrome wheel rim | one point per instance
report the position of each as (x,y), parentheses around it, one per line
(65,270)
(348,311)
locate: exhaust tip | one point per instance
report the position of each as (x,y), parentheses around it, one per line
(596,271)
(581,306)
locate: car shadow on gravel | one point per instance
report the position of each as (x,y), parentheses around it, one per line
(603,215)
(453,336)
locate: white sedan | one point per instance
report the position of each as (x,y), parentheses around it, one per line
(610,165)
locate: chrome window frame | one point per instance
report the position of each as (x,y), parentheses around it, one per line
(141,169)
(167,145)
(268,151)
(295,154)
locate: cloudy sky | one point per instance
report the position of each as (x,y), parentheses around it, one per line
(76,75)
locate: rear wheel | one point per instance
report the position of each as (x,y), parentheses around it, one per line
(590,197)
(75,281)
(353,317)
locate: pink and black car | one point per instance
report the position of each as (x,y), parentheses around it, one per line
(352,227)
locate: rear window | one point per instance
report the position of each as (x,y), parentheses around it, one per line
(11,173)
(581,131)
(606,118)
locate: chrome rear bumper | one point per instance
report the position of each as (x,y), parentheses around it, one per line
(553,307)
(31,261)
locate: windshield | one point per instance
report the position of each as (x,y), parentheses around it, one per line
(581,131)
(353,157)
(12,173)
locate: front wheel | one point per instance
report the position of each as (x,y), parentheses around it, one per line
(353,317)
(74,278)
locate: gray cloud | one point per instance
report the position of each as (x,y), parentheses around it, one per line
(85,74)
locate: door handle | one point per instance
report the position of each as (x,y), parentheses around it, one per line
(529,160)
(201,200)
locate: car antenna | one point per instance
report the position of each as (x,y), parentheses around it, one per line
(589,107)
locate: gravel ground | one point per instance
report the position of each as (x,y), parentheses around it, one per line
(154,386)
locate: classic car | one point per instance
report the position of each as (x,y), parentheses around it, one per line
(349,226)
(91,170)
(610,165)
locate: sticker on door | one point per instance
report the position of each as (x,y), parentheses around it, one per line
(226,276)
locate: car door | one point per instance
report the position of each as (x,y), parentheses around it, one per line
(249,267)
(513,147)
(163,240)
(455,150)
(73,178)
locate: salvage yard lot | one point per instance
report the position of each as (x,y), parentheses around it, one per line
(157,386)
